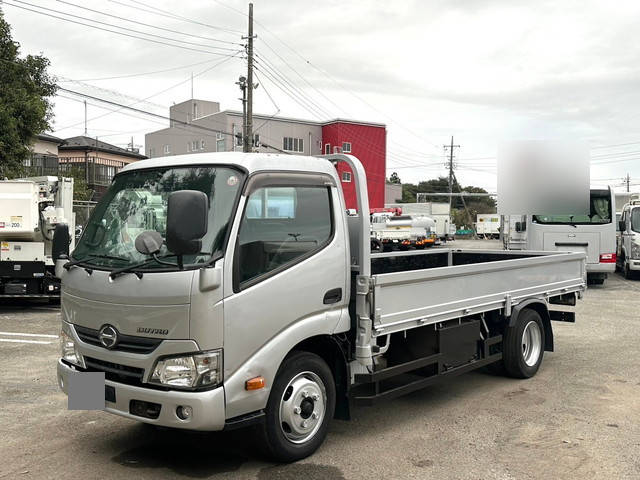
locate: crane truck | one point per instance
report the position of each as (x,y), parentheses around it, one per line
(30,211)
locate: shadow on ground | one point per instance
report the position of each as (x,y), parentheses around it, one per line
(192,454)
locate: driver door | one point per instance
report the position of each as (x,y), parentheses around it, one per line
(289,263)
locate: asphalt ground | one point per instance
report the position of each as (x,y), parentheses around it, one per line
(578,418)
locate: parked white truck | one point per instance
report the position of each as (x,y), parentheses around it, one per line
(593,234)
(629,237)
(438,212)
(30,211)
(248,296)
(488,225)
(401,232)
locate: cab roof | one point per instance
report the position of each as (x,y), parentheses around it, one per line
(251,162)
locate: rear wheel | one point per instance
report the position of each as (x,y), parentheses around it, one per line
(300,407)
(523,345)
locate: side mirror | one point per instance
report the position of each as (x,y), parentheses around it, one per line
(621,226)
(61,241)
(187,221)
(519,227)
(149,242)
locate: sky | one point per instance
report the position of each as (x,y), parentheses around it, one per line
(486,72)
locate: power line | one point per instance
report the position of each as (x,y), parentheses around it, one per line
(137,74)
(163,117)
(165,13)
(301,77)
(157,93)
(151,114)
(278,84)
(153,26)
(326,74)
(121,28)
(272,101)
(108,30)
(276,72)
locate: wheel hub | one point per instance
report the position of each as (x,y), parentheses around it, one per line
(531,343)
(302,407)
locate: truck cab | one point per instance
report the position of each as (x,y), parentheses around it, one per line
(629,237)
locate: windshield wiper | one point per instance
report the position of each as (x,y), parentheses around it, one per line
(156,258)
(132,268)
(68,265)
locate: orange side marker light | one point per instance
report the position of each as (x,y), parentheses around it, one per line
(255,383)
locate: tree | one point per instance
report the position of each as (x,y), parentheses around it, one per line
(441,185)
(394,178)
(81,190)
(25,106)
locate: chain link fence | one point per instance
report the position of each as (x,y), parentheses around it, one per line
(82,210)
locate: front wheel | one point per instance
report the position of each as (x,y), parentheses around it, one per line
(628,273)
(300,407)
(523,345)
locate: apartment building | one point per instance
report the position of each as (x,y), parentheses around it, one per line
(199,126)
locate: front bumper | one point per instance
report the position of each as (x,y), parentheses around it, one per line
(208,406)
(634,264)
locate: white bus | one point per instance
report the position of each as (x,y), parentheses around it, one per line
(594,234)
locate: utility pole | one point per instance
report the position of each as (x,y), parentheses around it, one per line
(627,180)
(450,166)
(85,118)
(248,133)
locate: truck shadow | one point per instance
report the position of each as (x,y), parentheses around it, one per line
(192,454)
(202,454)
(8,305)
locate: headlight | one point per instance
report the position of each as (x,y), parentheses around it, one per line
(189,371)
(635,251)
(68,350)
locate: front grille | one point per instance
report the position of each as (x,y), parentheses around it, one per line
(126,343)
(114,371)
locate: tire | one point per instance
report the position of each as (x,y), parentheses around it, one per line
(303,387)
(523,345)
(626,271)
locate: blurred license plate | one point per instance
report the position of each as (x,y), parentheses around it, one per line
(86,391)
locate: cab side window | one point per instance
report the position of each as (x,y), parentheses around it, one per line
(281,226)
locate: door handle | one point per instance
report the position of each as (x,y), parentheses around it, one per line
(332,296)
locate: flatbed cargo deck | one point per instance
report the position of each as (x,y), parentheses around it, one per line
(413,289)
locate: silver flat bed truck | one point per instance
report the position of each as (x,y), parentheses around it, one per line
(217,291)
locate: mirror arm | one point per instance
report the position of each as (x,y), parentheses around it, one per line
(162,262)
(180,262)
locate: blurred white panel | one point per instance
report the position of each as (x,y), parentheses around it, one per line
(536,177)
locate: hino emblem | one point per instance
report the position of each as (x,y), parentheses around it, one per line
(108,336)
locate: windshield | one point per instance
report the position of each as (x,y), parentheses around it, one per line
(137,202)
(635,220)
(600,212)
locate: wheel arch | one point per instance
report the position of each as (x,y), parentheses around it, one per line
(540,306)
(332,350)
